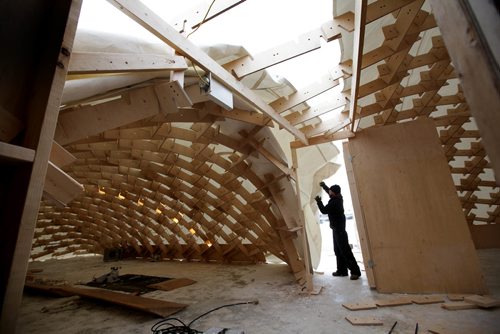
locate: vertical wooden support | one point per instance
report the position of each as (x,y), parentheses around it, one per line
(476,68)
(360,218)
(307,260)
(33,67)
(357,55)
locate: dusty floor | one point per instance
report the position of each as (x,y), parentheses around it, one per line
(281,308)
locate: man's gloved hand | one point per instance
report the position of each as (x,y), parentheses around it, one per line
(317,198)
(322,184)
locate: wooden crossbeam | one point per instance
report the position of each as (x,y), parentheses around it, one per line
(103,62)
(154,24)
(304,43)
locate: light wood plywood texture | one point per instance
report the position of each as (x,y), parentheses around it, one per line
(418,235)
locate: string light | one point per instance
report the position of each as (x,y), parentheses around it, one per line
(209,244)
(120,196)
(101,191)
(192,231)
(176,220)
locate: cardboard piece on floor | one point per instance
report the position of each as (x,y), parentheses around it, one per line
(458,306)
(360,306)
(172,284)
(427,299)
(157,307)
(364,321)
(394,302)
(482,301)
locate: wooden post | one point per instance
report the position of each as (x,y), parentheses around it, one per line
(307,261)
(33,67)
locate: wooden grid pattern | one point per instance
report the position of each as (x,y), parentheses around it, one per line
(149,182)
(163,190)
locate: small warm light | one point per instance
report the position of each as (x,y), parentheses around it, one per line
(101,192)
(158,211)
(192,231)
(139,202)
(176,220)
(209,244)
(120,196)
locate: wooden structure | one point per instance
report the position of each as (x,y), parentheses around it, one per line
(145,161)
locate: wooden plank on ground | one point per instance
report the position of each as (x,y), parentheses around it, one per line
(394,301)
(158,307)
(364,321)
(427,299)
(360,306)
(456,297)
(458,306)
(482,301)
(172,284)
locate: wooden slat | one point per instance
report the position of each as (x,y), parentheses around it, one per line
(8,151)
(357,54)
(161,308)
(103,62)
(364,321)
(60,186)
(360,306)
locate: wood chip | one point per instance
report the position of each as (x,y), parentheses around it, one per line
(458,306)
(360,306)
(364,321)
(482,301)
(427,299)
(395,302)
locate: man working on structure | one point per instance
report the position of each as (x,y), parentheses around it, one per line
(341,247)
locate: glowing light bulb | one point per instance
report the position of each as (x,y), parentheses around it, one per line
(120,196)
(209,244)
(192,231)
(176,220)
(158,211)
(102,192)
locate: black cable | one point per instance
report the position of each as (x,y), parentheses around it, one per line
(157,328)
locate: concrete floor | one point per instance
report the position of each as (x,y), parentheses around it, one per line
(281,308)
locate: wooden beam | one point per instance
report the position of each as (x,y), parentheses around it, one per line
(14,152)
(357,54)
(324,84)
(340,135)
(60,186)
(195,17)
(32,83)
(475,69)
(302,224)
(81,122)
(59,156)
(154,24)
(103,62)
(304,43)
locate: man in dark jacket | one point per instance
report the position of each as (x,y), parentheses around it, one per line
(341,247)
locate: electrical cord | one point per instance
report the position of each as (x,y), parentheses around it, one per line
(161,326)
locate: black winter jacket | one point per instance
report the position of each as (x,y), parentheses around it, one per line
(335,211)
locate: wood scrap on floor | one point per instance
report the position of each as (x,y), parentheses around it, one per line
(157,307)
(482,301)
(458,306)
(457,297)
(172,284)
(364,321)
(360,306)
(421,300)
(394,302)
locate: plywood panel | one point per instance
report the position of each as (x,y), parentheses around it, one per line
(419,240)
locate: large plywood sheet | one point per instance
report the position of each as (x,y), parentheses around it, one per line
(419,240)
